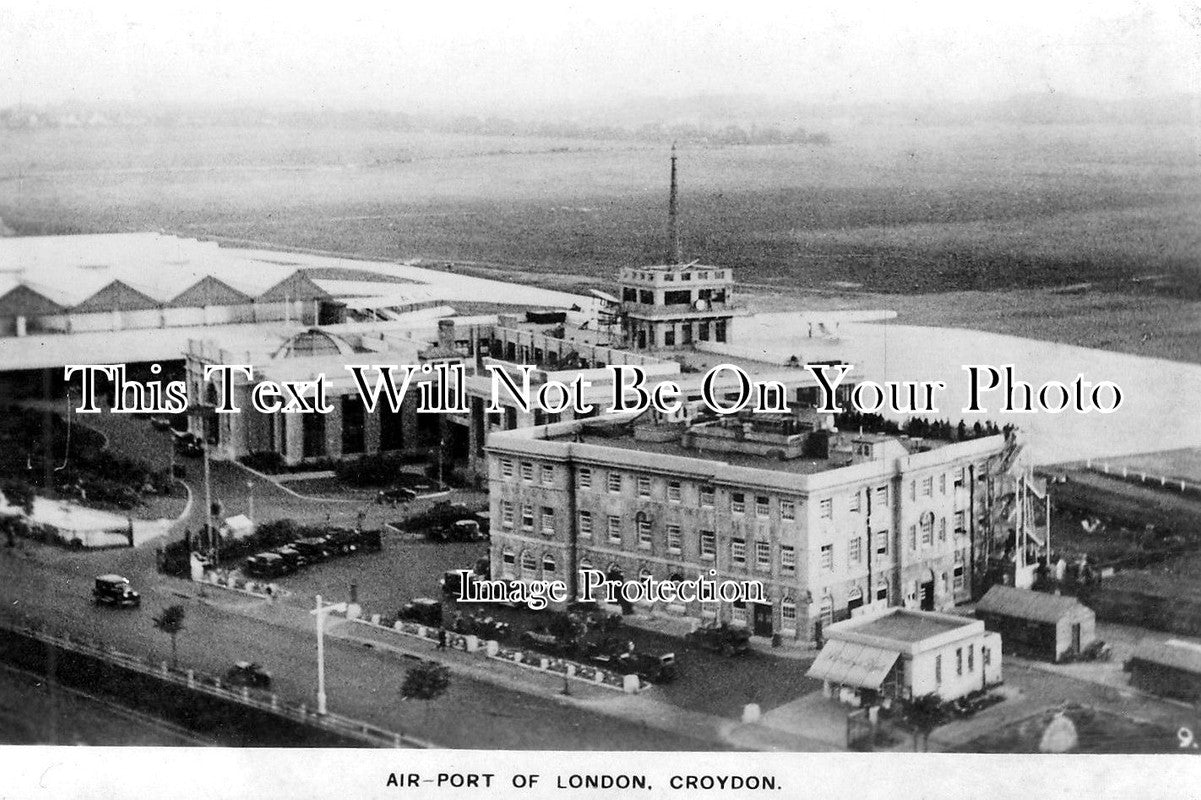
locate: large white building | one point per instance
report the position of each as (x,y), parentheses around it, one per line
(829,521)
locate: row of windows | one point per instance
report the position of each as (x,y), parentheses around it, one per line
(615,483)
(986,658)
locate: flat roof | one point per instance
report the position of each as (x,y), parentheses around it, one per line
(909,627)
(622,436)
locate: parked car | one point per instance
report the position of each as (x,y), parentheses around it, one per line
(344,540)
(313,548)
(372,540)
(115,590)
(544,641)
(462,530)
(484,626)
(293,559)
(720,639)
(424,610)
(594,616)
(247,673)
(267,565)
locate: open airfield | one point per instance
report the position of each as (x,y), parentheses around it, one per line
(1081,235)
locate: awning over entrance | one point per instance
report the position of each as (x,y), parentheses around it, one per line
(851,664)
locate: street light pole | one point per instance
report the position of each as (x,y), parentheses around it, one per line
(321,611)
(320,658)
(250,500)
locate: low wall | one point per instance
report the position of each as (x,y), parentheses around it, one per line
(230,716)
(528,659)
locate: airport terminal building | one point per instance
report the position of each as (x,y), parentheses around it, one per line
(829,521)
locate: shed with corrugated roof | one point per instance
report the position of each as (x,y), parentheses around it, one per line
(1037,624)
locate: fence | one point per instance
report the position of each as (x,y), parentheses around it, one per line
(1144,477)
(562,667)
(334,726)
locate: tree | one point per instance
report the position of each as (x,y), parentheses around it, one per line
(170,622)
(924,714)
(426,682)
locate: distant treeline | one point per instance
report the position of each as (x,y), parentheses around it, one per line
(36,118)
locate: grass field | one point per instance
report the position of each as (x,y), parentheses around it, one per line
(914,210)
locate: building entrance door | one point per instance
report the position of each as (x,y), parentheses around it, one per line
(1075,638)
(928,595)
(762,619)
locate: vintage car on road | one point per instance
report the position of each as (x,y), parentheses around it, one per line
(423,610)
(247,673)
(115,590)
(720,639)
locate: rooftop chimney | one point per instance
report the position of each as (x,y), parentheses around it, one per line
(673,222)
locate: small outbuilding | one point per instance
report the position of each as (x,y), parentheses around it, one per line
(900,654)
(1169,669)
(1038,625)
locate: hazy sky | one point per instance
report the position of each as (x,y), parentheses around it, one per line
(444,55)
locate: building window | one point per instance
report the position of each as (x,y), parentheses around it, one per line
(614,529)
(788,613)
(958,660)
(506,467)
(708,545)
(548,521)
(737,502)
(927,529)
(763,555)
(971,658)
(959,477)
(738,551)
(673,538)
(855,549)
(938,669)
(508,561)
(527,471)
(506,513)
(669,337)
(826,610)
(855,502)
(548,564)
(959,528)
(826,509)
(762,506)
(787,558)
(881,543)
(957,577)
(913,490)
(529,564)
(586,523)
(644,486)
(585,478)
(928,486)
(942,483)
(882,592)
(673,491)
(912,537)
(882,496)
(827,556)
(787,509)
(615,482)
(548,475)
(527,516)
(985,656)
(707,494)
(644,533)
(942,529)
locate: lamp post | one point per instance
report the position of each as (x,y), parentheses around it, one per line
(320,613)
(250,500)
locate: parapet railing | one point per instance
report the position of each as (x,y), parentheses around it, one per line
(369,734)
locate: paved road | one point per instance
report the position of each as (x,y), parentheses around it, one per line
(54,587)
